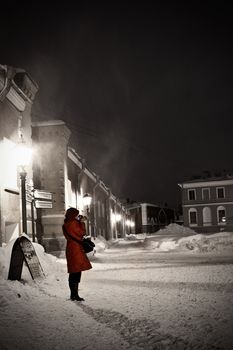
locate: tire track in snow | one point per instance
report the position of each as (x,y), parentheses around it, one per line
(141,333)
(204,286)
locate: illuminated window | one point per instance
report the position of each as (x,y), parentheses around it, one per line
(221,214)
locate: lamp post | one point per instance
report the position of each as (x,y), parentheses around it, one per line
(23,154)
(86,202)
(23,176)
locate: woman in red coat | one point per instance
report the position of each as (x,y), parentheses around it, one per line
(77,261)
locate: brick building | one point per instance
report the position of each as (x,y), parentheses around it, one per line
(148,218)
(55,168)
(208,204)
(60,170)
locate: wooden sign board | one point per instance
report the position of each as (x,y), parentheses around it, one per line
(23,251)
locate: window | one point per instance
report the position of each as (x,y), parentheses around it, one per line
(192,217)
(221,214)
(220,192)
(191,195)
(207,220)
(205,194)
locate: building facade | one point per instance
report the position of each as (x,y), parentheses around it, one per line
(208,204)
(60,170)
(17,93)
(56,171)
(149,218)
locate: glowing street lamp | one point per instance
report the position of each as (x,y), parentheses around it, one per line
(87,202)
(23,158)
(118,217)
(87,199)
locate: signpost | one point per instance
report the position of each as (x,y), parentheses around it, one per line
(39,199)
(43,204)
(39,194)
(23,251)
(43,199)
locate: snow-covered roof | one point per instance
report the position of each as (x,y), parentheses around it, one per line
(210,181)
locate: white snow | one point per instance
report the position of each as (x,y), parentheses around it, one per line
(169,290)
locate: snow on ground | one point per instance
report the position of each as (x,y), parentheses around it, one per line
(170,290)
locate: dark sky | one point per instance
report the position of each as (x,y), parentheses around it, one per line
(147,91)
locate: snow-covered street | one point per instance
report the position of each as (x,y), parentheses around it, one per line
(167,300)
(136,297)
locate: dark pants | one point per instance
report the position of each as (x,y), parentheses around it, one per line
(75,277)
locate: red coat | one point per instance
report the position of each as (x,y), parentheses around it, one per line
(76,257)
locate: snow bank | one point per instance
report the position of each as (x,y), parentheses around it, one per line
(180,238)
(132,237)
(176,229)
(217,242)
(46,260)
(2,261)
(167,238)
(101,244)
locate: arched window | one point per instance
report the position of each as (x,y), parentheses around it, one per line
(162,217)
(193,217)
(207,219)
(221,215)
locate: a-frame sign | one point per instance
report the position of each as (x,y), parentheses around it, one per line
(23,251)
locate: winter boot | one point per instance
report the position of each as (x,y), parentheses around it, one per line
(78,298)
(74,291)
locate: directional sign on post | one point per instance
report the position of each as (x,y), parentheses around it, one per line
(43,204)
(39,194)
(43,199)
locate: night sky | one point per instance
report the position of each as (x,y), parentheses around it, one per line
(146,91)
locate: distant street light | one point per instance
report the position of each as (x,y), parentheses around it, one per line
(23,158)
(130,224)
(87,198)
(118,217)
